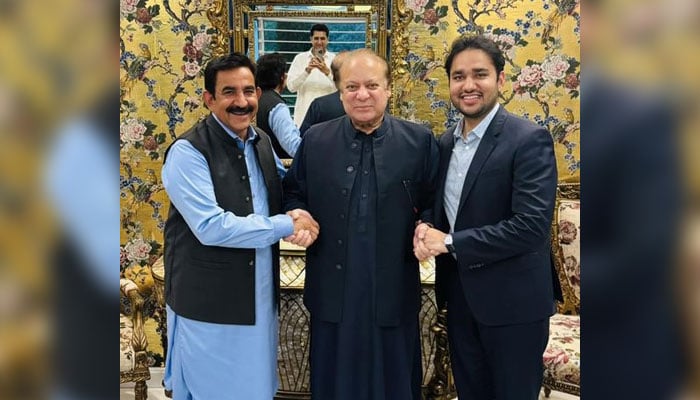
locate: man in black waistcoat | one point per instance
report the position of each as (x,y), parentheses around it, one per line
(273,114)
(221,245)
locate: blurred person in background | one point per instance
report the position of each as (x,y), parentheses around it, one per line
(273,115)
(631,204)
(327,107)
(80,175)
(689,283)
(222,245)
(310,73)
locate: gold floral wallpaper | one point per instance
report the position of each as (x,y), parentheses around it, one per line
(165,46)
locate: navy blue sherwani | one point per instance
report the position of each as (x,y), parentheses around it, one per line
(362,280)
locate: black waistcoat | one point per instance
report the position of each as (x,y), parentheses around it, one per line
(212,283)
(268,100)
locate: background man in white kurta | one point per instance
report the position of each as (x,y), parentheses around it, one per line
(310,73)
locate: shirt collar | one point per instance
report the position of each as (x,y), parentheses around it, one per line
(480,129)
(251,132)
(377,133)
(326,54)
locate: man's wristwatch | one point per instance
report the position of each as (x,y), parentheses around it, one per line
(448,243)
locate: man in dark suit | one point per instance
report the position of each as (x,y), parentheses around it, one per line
(493,210)
(328,107)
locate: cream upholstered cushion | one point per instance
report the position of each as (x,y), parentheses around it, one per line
(569,232)
(562,358)
(126,331)
(126,349)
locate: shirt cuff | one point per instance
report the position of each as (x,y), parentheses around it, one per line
(283,225)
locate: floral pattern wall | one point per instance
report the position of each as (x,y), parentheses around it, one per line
(540,39)
(165,46)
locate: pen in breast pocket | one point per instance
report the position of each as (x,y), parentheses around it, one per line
(406,184)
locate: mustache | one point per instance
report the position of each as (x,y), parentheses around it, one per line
(240,110)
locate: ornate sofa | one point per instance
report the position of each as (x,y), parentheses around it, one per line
(293,358)
(133,364)
(562,358)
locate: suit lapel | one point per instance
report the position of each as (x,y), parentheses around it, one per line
(486,146)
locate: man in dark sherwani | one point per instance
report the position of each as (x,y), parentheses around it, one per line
(367,178)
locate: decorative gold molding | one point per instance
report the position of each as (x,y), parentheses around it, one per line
(249,31)
(400,18)
(218,16)
(397,18)
(571,304)
(441,385)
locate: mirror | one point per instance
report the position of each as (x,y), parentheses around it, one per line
(258,26)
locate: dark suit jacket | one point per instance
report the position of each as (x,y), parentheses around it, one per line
(502,229)
(321,179)
(324,108)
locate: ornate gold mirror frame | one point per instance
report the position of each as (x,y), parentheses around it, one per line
(390,24)
(248,33)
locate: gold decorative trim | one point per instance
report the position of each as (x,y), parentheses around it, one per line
(568,192)
(550,384)
(140,373)
(391,25)
(218,16)
(400,18)
(249,31)
(441,385)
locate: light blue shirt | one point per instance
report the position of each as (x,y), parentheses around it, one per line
(462,156)
(285,130)
(187,180)
(80,175)
(216,361)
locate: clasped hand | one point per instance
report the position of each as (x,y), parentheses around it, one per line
(305,228)
(428,242)
(319,64)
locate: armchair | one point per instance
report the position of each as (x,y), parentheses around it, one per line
(562,358)
(133,364)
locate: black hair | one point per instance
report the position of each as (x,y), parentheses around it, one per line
(270,70)
(319,28)
(479,42)
(224,63)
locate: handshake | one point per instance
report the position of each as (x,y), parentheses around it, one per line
(428,242)
(305,228)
